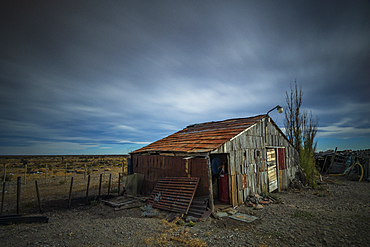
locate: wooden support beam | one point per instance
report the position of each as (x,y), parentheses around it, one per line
(11,219)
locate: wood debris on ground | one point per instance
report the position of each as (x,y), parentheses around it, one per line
(125,202)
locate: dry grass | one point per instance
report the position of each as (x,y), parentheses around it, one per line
(172,232)
(54,182)
(165,239)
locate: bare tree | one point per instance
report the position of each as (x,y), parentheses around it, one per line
(301,130)
(293,117)
(309,131)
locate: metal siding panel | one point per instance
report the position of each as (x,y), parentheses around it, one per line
(233,194)
(249,141)
(232,163)
(240,188)
(199,168)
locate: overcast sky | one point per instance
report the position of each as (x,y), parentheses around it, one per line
(107,77)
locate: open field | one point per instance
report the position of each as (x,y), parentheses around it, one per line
(53,175)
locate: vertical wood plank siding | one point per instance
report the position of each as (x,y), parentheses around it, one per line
(253,167)
(154,167)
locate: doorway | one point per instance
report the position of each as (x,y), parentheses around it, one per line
(220,179)
(272,169)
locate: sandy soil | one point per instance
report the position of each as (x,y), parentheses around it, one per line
(336,215)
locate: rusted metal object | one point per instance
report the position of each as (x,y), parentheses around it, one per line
(154,167)
(174,194)
(203,137)
(199,206)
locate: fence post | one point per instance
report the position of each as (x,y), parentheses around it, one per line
(25,174)
(104,173)
(18,194)
(119,183)
(100,184)
(38,195)
(4,172)
(110,176)
(87,190)
(2,199)
(70,194)
(85,172)
(46,172)
(65,173)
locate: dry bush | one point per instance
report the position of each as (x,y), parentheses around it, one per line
(171,234)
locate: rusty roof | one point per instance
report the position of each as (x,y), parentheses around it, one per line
(203,137)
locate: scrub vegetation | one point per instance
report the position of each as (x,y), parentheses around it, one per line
(54,173)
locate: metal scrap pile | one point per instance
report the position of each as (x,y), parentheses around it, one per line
(354,165)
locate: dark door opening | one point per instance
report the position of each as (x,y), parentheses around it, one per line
(220,179)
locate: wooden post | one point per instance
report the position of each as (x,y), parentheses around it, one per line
(70,194)
(38,195)
(87,190)
(119,183)
(46,172)
(25,174)
(123,167)
(100,185)
(85,172)
(4,172)
(210,188)
(65,174)
(110,176)
(18,194)
(104,173)
(2,199)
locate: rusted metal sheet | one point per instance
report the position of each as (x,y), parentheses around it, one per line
(281,158)
(174,194)
(244,181)
(199,206)
(154,167)
(283,181)
(202,137)
(199,169)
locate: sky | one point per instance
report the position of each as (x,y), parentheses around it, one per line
(108,77)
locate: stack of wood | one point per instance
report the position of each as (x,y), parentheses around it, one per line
(123,202)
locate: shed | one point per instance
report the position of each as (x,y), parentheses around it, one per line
(233,158)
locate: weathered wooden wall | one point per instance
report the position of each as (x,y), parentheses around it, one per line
(154,167)
(247,160)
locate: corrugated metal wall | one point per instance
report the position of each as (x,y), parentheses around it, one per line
(247,160)
(154,167)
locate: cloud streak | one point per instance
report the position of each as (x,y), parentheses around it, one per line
(87,76)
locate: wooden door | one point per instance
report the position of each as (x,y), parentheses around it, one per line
(271,165)
(283,182)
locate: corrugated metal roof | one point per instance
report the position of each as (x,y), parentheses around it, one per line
(203,137)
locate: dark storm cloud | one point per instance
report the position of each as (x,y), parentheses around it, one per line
(94,73)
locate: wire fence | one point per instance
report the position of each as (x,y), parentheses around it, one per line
(51,168)
(58,177)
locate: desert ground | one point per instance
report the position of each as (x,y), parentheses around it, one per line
(336,213)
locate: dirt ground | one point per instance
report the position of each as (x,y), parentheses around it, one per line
(336,214)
